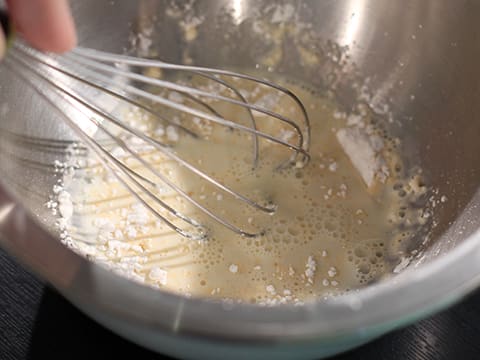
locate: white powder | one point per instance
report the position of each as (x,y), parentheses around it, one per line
(158,275)
(310,268)
(332,271)
(172,133)
(270,289)
(159,131)
(137,248)
(282,13)
(65,205)
(139,215)
(291,271)
(358,146)
(131,232)
(144,43)
(175,97)
(354,119)
(233,268)
(118,234)
(118,152)
(118,246)
(286,135)
(377,142)
(51,204)
(333,167)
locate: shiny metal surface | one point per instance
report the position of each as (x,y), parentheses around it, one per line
(420,57)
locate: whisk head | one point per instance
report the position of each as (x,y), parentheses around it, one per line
(67,83)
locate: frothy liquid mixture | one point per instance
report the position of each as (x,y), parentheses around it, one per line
(331,232)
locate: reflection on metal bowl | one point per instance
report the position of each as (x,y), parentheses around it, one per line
(419,58)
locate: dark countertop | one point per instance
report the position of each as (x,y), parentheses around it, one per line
(37,323)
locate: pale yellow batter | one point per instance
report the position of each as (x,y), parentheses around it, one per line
(331,231)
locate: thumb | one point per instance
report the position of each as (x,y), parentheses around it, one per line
(45,24)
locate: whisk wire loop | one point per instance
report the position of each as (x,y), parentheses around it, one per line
(101,71)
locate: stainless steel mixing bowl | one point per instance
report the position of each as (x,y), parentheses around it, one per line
(421,57)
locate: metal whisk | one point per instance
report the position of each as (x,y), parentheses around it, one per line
(121,77)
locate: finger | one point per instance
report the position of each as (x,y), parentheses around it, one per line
(3,44)
(45,24)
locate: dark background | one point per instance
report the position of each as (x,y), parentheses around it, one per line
(37,323)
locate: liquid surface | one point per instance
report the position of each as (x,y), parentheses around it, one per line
(334,228)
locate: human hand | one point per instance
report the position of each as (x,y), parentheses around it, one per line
(45,24)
